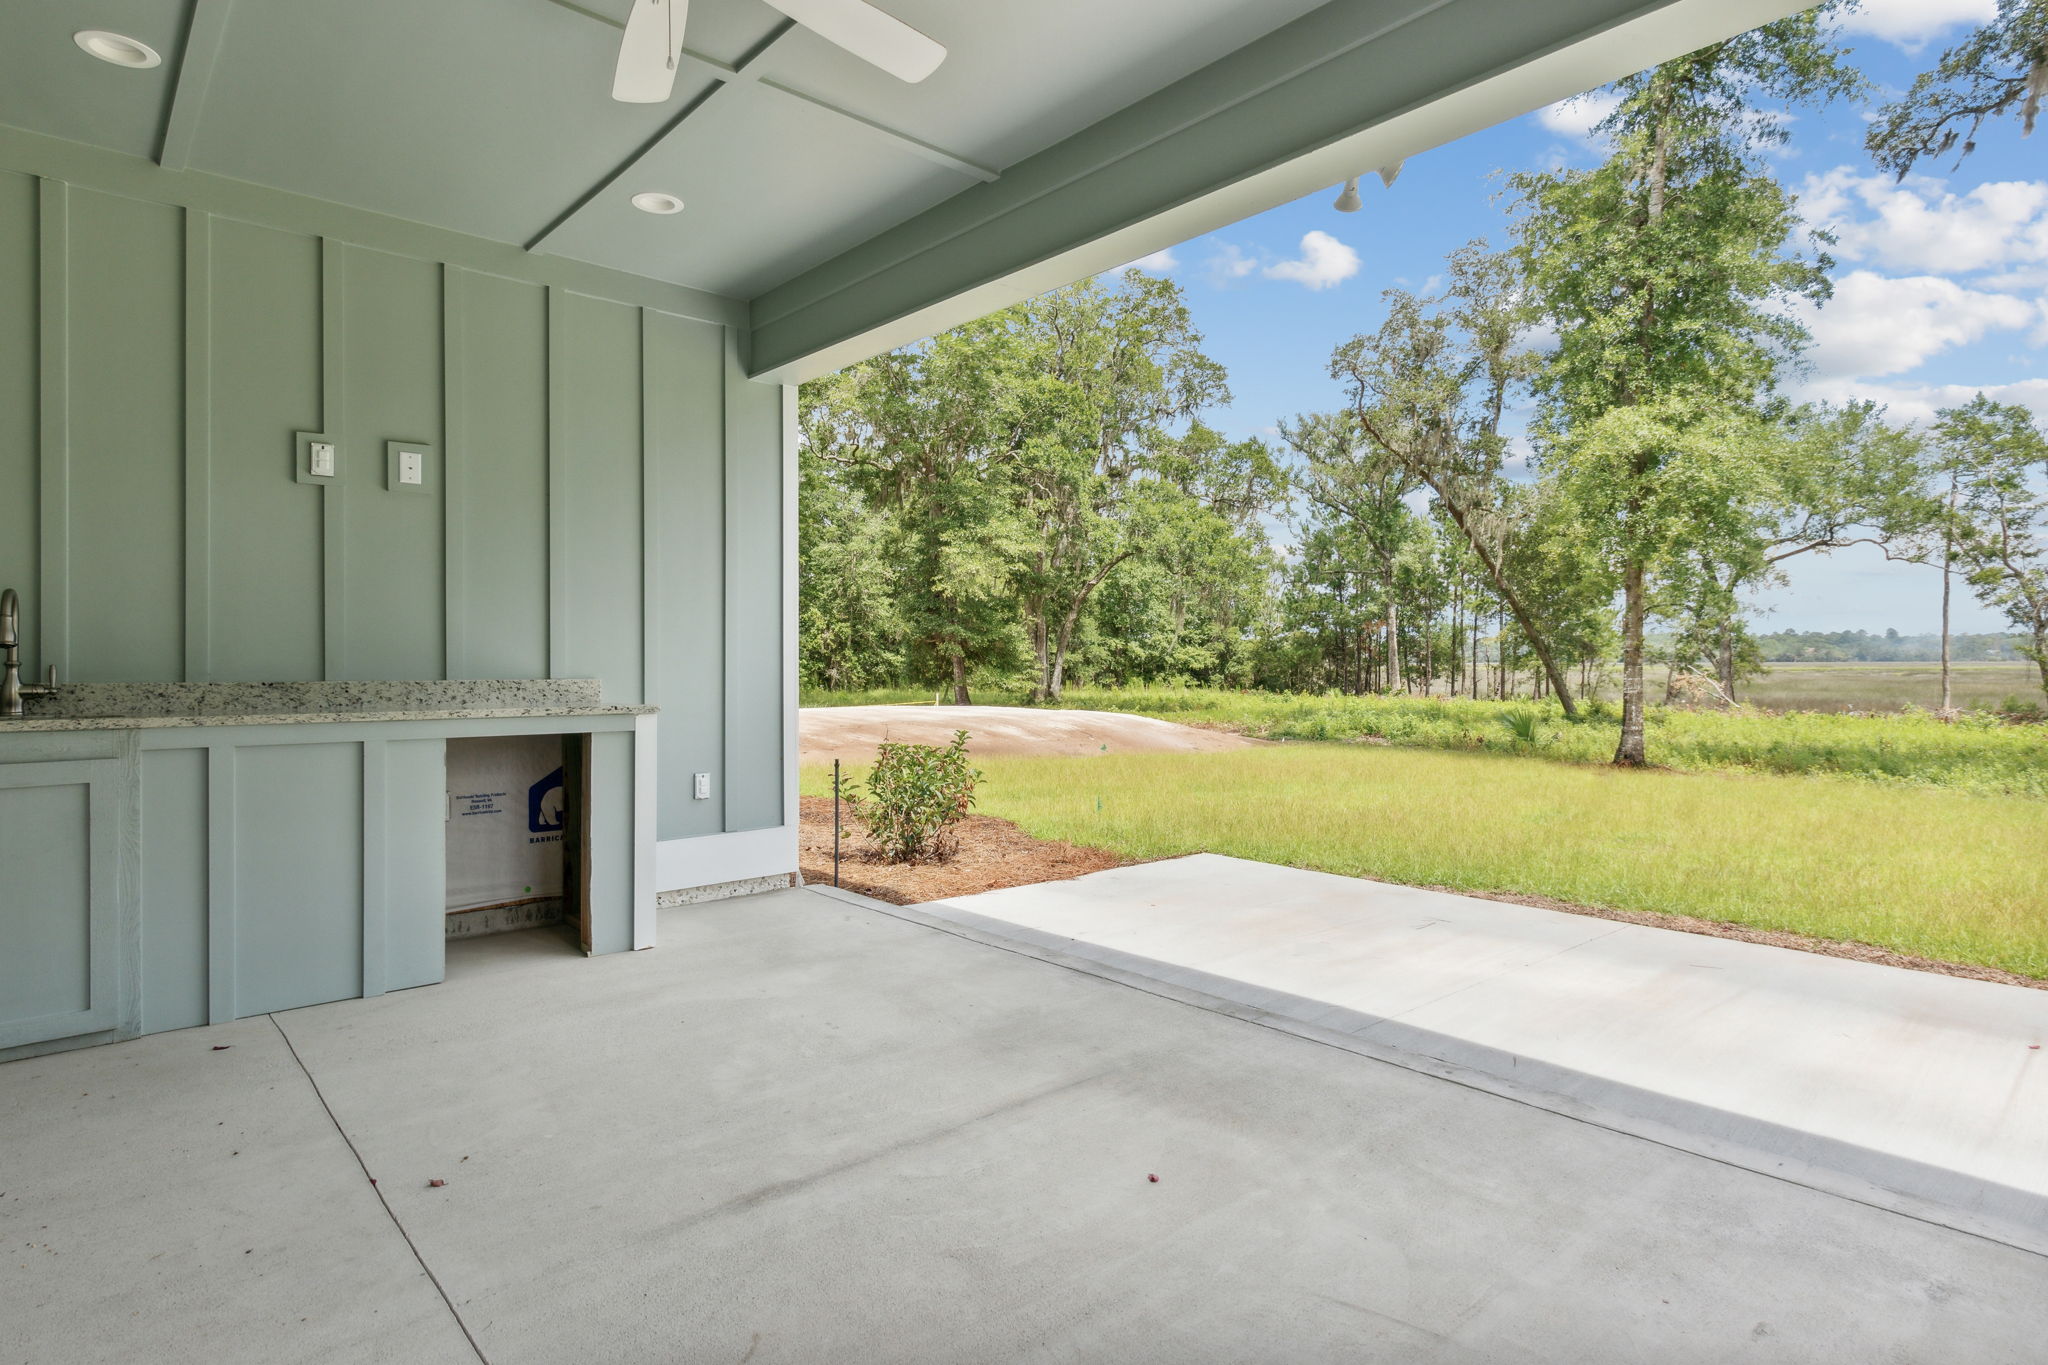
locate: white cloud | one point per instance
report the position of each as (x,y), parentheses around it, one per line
(1876,325)
(1579,115)
(1920,225)
(1229,262)
(1911,24)
(1323,263)
(1160,262)
(1915,404)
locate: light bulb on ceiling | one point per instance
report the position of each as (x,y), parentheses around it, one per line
(1388,173)
(117,48)
(1348,201)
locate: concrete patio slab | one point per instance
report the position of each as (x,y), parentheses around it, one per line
(807,1130)
(1921,1092)
(163,1201)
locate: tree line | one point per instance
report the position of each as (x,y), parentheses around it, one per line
(1582,433)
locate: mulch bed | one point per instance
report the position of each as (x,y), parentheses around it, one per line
(993,853)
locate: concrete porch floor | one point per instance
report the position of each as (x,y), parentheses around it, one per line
(808,1130)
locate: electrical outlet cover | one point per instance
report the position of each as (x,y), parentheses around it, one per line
(395,466)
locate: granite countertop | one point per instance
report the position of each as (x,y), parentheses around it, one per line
(151,706)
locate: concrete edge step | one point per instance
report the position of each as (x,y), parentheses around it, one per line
(1915,1189)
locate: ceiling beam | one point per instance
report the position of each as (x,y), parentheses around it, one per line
(1351,85)
(748,72)
(915,146)
(194,77)
(721,91)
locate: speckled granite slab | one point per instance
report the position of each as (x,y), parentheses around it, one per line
(432,713)
(183,700)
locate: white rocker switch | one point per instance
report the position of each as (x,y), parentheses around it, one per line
(320,460)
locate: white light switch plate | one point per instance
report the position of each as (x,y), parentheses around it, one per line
(320,460)
(703,788)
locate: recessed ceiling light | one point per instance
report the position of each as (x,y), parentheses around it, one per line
(653,201)
(117,48)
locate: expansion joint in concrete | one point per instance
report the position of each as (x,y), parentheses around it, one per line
(389,1212)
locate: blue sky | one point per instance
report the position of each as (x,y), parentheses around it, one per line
(1939,283)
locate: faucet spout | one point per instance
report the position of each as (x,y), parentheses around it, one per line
(12,692)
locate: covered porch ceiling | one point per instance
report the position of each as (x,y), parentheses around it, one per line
(849,211)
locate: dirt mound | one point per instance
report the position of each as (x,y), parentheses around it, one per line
(852,732)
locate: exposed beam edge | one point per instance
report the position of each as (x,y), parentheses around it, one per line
(745,72)
(1318,41)
(667,130)
(203,37)
(1198,155)
(902,139)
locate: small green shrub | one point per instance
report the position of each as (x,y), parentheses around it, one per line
(1524,726)
(915,794)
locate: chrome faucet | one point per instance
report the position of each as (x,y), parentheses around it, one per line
(11,690)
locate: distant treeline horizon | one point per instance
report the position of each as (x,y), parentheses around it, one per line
(1862,647)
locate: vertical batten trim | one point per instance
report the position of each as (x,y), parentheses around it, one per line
(650,507)
(376,897)
(558,484)
(786,565)
(52,607)
(198,442)
(454,477)
(730,484)
(220,883)
(333,381)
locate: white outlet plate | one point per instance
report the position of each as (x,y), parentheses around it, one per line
(408,466)
(703,786)
(320,460)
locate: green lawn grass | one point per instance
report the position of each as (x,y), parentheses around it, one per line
(1941,874)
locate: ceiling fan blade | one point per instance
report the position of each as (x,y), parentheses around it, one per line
(653,44)
(880,39)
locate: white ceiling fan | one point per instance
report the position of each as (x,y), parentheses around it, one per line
(654,43)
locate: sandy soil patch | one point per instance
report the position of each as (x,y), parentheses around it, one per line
(850,733)
(993,853)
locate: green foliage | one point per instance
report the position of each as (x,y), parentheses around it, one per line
(916,794)
(1998,66)
(1859,646)
(1525,726)
(2000,524)
(967,498)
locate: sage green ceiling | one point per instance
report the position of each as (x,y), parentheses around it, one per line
(846,210)
(494,117)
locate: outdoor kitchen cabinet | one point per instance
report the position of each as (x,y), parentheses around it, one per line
(156,878)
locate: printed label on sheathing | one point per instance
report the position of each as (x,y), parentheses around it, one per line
(509,794)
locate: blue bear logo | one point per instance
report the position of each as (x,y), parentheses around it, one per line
(544,801)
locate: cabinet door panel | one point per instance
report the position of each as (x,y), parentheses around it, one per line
(59,955)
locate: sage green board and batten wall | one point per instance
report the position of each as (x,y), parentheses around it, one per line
(602,499)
